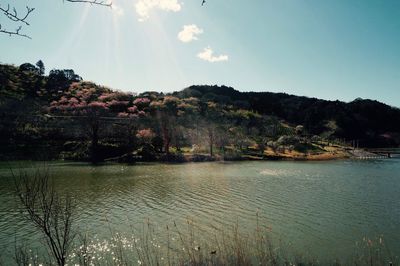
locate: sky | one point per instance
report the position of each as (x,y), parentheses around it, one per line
(331,49)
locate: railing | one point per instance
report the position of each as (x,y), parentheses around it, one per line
(383,150)
(388,152)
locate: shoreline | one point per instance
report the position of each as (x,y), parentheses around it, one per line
(174,158)
(198,158)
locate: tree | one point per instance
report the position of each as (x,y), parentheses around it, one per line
(30,81)
(49,212)
(243,121)
(213,119)
(60,79)
(27,67)
(40,66)
(83,105)
(165,111)
(92,115)
(97,109)
(187,122)
(12,15)
(262,131)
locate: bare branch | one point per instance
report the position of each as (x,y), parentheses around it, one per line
(93,2)
(16,32)
(49,212)
(13,15)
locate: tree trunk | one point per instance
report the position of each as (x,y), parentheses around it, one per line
(94,142)
(211,141)
(166,146)
(166,139)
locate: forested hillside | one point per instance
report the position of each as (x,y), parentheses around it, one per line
(366,120)
(74,119)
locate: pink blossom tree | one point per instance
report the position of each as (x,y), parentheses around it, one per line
(90,105)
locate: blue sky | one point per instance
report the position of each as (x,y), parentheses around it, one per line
(331,49)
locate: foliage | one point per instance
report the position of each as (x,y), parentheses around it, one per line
(60,107)
(361,119)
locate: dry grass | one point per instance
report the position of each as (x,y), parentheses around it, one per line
(328,153)
(189,245)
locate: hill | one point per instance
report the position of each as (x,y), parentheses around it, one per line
(369,121)
(74,119)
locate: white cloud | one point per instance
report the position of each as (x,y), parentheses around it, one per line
(208,55)
(143,7)
(189,33)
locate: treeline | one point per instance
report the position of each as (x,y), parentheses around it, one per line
(73,119)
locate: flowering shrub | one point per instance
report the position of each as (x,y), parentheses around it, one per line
(145,135)
(118,96)
(132,109)
(141,101)
(127,115)
(99,105)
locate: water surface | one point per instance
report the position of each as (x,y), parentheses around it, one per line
(319,208)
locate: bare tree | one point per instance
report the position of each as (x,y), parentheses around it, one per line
(49,212)
(13,15)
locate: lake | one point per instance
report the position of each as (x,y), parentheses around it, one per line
(318,208)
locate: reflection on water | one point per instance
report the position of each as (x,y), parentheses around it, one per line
(321,208)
